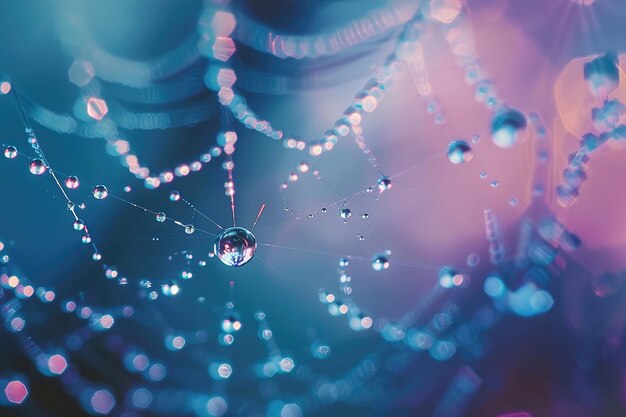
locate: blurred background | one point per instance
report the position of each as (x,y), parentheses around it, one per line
(144,86)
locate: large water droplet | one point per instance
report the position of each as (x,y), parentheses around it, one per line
(459,152)
(37,167)
(508,127)
(235,246)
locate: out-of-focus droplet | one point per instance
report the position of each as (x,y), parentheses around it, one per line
(445,11)
(459,152)
(96,108)
(473,259)
(303,167)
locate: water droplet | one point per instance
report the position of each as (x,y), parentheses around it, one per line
(170,288)
(380,262)
(320,351)
(161,217)
(446,277)
(514,202)
(343,262)
(96,256)
(127,189)
(364,216)
(266,334)
(79,225)
(37,167)
(86,239)
(5,86)
(324,210)
(473,259)
(215,151)
(174,196)
(384,183)
(459,152)
(345,213)
(100,192)
(10,152)
(483,174)
(494,183)
(111,272)
(508,127)
(303,167)
(189,229)
(235,246)
(605,284)
(72,182)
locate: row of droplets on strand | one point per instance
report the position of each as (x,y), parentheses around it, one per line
(283,363)
(602,75)
(354,119)
(101,192)
(276,363)
(508,125)
(217,32)
(224,244)
(37,166)
(96,108)
(52,361)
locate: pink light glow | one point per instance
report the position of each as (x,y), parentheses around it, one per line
(96,108)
